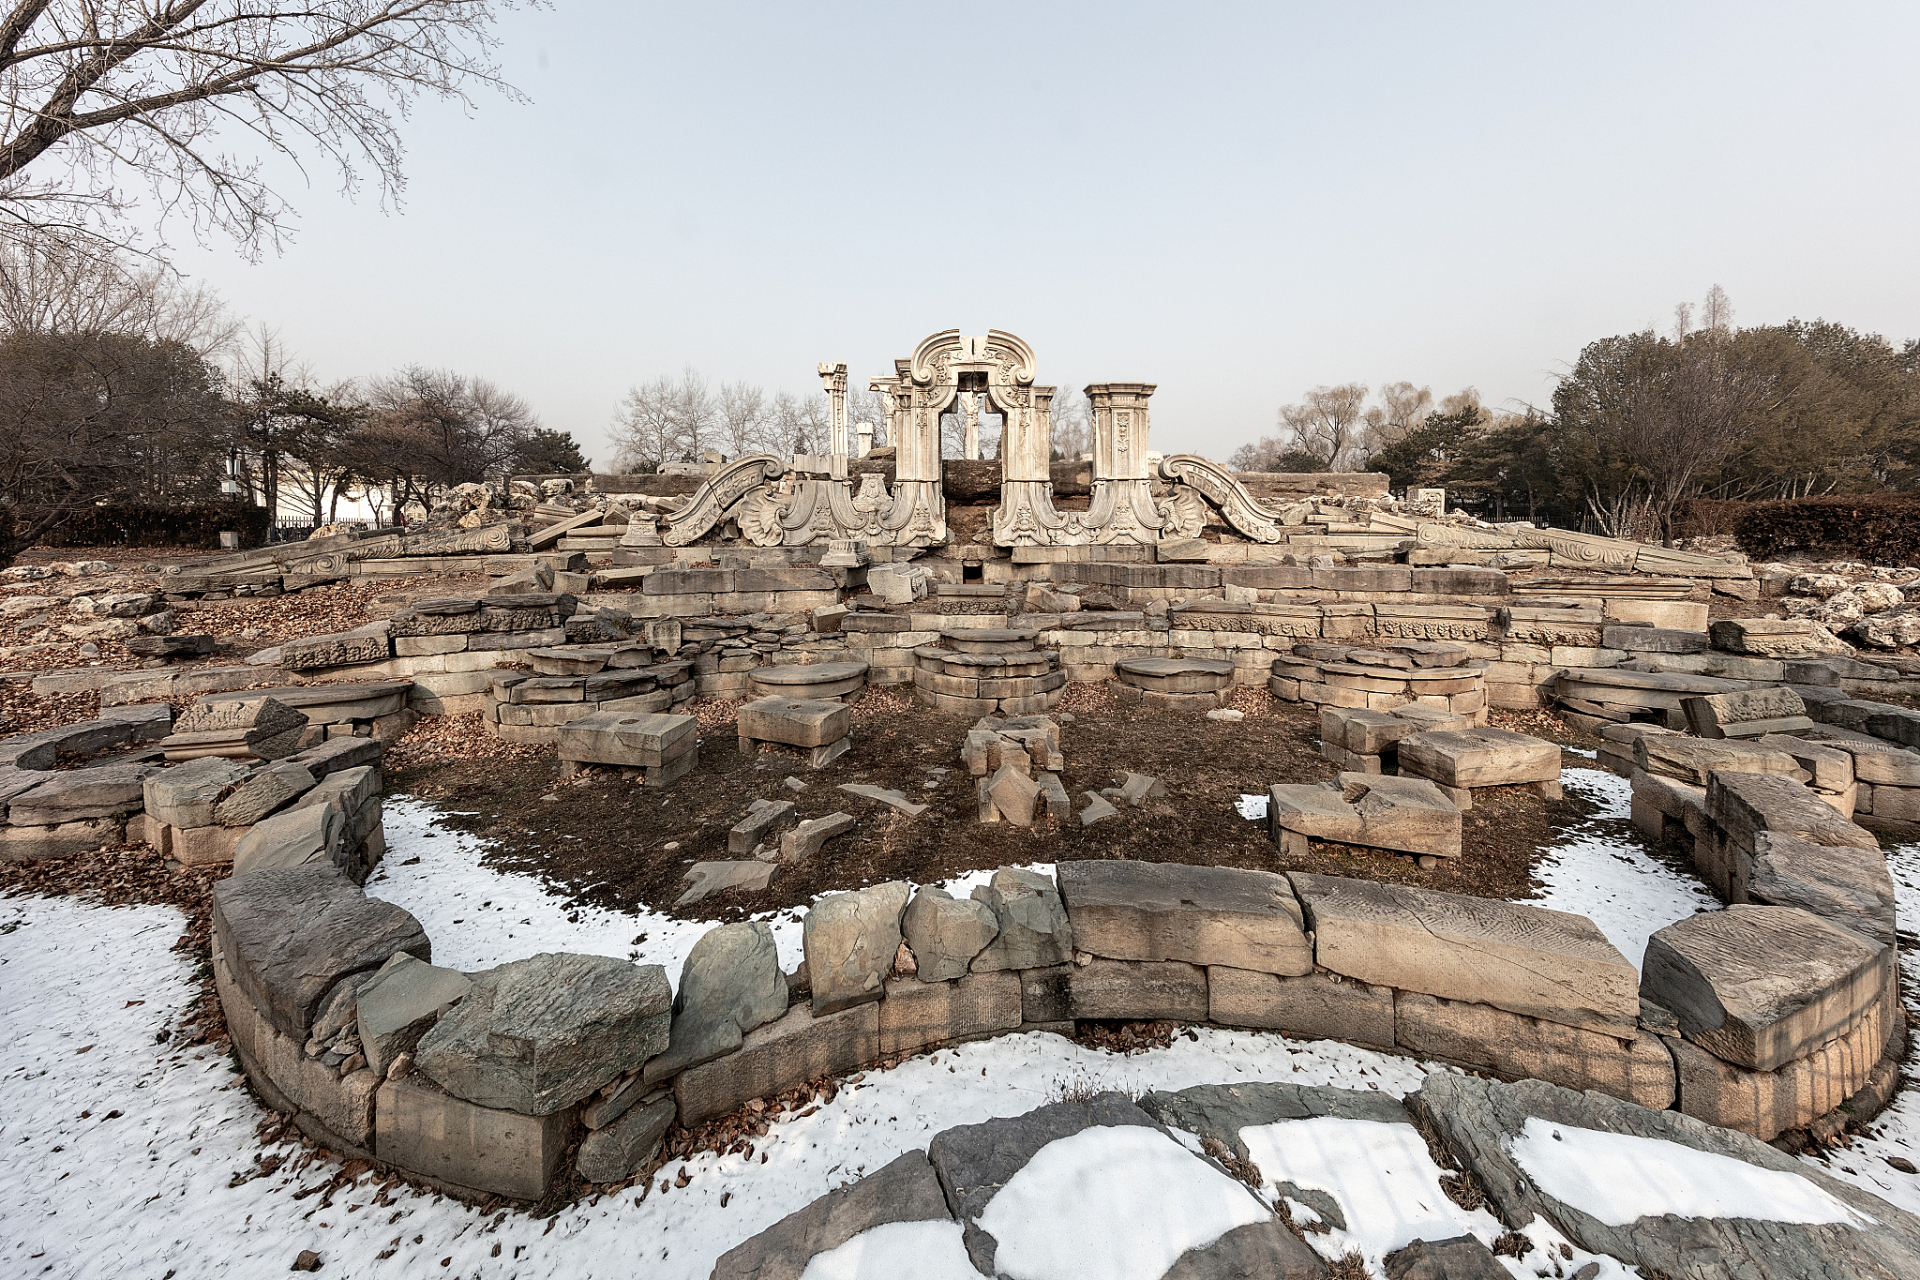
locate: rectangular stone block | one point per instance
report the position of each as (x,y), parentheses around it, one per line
(343,1106)
(1768,1103)
(1529,960)
(417,646)
(468,1147)
(915,1015)
(1046,994)
(785,1052)
(795,722)
(1515,1047)
(1124,910)
(1142,990)
(1318,1004)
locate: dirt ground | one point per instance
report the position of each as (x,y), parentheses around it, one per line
(618,844)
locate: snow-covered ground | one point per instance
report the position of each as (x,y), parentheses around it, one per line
(120,1153)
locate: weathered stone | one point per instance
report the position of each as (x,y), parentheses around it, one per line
(1758,986)
(1828,768)
(620,1149)
(1747,714)
(1849,887)
(795,722)
(338,754)
(62,840)
(880,795)
(917,1014)
(732,974)
(1175,675)
(1010,795)
(1317,1004)
(1796,1094)
(265,790)
(762,816)
(1468,758)
(1653,639)
(1481,1120)
(244,721)
(537,1035)
(704,879)
(1528,960)
(1456,1258)
(370,643)
(905,1190)
(1203,915)
(1098,808)
(310,835)
(76,795)
(946,933)
(806,840)
(397,1005)
(1691,759)
(290,935)
(1138,788)
(1410,815)
(1772,638)
(1514,1046)
(1034,929)
(1146,990)
(623,738)
(850,940)
(784,1053)
(330,1107)
(468,1147)
(1220,1111)
(1744,804)
(811,680)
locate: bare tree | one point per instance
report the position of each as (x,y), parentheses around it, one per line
(51,285)
(1327,424)
(645,428)
(102,99)
(742,418)
(1072,422)
(1402,407)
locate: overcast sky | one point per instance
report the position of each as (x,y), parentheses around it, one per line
(1237,202)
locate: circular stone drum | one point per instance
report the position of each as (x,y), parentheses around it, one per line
(812,680)
(1181,683)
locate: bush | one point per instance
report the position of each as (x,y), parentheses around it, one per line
(133,525)
(1880,528)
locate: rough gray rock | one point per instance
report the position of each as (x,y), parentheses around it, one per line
(1850,887)
(1458,1258)
(902,1191)
(75,795)
(850,941)
(1034,929)
(290,935)
(1220,1111)
(1479,1119)
(730,984)
(292,839)
(616,1152)
(537,1035)
(945,933)
(398,1004)
(266,790)
(974,1161)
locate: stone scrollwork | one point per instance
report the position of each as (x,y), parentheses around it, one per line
(716,499)
(1584,549)
(1183,514)
(1217,485)
(1433,534)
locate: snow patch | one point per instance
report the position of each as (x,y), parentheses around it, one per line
(1122,1202)
(929,1250)
(1253,808)
(1620,1178)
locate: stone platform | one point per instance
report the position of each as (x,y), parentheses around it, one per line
(988,672)
(1180,684)
(811,680)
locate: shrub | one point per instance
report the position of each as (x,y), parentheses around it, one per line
(134,525)
(1883,528)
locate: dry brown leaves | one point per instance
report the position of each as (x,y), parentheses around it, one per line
(461,737)
(713,714)
(24,711)
(1078,699)
(1127,1037)
(883,702)
(1252,699)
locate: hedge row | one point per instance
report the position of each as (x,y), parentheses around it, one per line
(1876,528)
(151,526)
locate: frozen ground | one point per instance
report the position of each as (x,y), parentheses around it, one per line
(120,1152)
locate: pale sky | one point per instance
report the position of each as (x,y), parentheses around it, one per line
(1236,202)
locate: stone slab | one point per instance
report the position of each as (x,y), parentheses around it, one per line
(1124,910)
(771,1059)
(467,1147)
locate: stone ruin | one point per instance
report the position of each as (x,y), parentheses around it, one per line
(794,585)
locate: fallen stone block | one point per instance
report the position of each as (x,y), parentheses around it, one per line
(1845,886)
(265,791)
(805,840)
(704,879)
(1138,788)
(762,816)
(1315,1004)
(1759,986)
(1749,713)
(1408,815)
(1009,796)
(1691,760)
(537,1035)
(1527,960)
(623,738)
(1098,808)
(946,933)
(623,1147)
(399,1003)
(1460,760)
(850,941)
(794,722)
(370,643)
(77,795)
(1202,915)
(297,838)
(1034,929)
(880,795)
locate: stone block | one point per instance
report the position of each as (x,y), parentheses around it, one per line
(776,1057)
(762,816)
(290,935)
(266,790)
(313,835)
(370,643)
(1528,960)
(203,846)
(806,839)
(397,1005)
(1692,760)
(1745,804)
(466,1146)
(1758,986)
(850,941)
(1768,1103)
(1138,989)
(538,1035)
(1124,910)
(623,1147)
(625,738)
(905,1190)
(1846,886)
(78,795)
(1653,640)
(704,879)
(1409,815)
(795,722)
(946,933)
(1468,758)
(916,1015)
(1746,713)
(1318,1004)
(1516,1047)
(334,1109)
(1034,929)
(63,840)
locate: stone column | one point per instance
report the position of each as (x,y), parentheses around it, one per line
(1122,508)
(917,515)
(1025,516)
(863,433)
(970,402)
(834,378)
